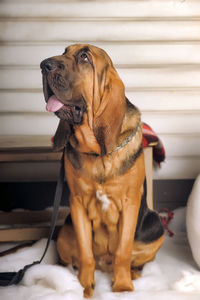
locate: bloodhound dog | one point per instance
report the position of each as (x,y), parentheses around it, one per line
(112,228)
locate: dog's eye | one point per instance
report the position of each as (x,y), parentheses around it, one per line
(84,57)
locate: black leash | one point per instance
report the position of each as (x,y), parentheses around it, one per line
(9,278)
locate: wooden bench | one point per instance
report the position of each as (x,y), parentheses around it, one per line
(35,153)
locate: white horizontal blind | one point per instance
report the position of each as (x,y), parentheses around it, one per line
(155,46)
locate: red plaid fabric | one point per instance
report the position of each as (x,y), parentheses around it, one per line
(149,136)
(166,216)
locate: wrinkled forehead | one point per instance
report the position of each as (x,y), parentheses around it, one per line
(97,53)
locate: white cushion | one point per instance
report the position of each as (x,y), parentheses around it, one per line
(193,220)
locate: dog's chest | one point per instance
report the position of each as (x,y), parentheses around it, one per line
(100,169)
(103,205)
(103,199)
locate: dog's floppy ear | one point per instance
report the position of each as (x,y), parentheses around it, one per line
(110,114)
(61,136)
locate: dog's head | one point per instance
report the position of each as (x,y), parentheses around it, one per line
(83,81)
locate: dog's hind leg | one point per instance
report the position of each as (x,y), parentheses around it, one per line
(148,240)
(143,253)
(67,245)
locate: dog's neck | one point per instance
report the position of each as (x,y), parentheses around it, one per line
(127,139)
(87,140)
(84,140)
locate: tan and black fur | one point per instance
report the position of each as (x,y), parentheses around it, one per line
(112,228)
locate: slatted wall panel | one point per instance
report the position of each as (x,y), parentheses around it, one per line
(155,46)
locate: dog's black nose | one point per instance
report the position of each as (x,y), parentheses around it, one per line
(48,65)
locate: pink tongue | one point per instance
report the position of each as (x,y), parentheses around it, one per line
(53,104)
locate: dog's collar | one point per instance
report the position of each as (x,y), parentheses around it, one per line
(124,143)
(127,140)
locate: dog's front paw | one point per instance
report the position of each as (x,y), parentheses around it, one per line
(86,278)
(123,286)
(122,281)
(89,290)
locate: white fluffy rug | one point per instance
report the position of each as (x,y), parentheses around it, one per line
(172,275)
